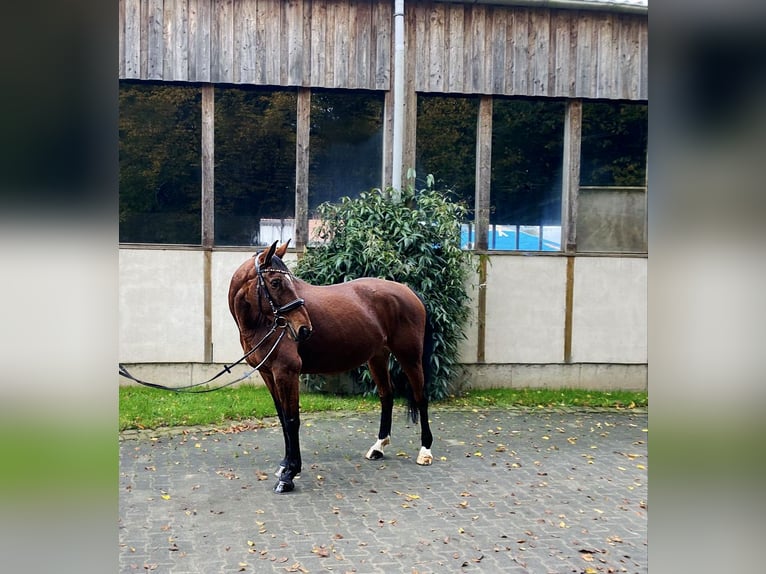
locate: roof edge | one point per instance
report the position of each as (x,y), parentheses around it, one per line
(595,5)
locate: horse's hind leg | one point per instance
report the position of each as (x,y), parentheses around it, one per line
(378,366)
(415,375)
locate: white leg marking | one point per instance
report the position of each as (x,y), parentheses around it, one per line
(378,447)
(424,456)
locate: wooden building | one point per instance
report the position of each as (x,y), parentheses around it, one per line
(575,50)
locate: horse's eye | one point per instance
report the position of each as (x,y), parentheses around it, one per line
(276,283)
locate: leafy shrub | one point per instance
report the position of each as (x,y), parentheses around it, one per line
(415,241)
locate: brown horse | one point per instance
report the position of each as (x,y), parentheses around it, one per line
(332,329)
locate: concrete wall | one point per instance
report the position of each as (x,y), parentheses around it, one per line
(163,319)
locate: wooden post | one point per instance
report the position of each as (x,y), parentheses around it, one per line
(483,171)
(570,192)
(208,213)
(568,309)
(481,335)
(388,141)
(302,169)
(571,175)
(208,165)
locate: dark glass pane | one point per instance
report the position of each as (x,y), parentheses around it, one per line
(346,144)
(446,149)
(527,159)
(160,172)
(446,144)
(254,165)
(613,150)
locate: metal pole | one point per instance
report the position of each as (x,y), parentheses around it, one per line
(398,143)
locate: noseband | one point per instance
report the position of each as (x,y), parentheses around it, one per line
(278,311)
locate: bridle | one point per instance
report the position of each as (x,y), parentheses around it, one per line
(280,322)
(279,312)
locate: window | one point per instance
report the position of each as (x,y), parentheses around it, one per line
(254,165)
(525,192)
(160,164)
(346,145)
(446,148)
(611,215)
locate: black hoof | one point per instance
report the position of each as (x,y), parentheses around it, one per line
(375,455)
(284,486)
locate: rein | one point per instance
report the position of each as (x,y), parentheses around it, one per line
(279,323)
(226,368)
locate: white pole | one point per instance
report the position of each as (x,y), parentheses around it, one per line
(398,143)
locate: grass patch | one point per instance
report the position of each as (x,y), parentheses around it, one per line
(142,407)
(542,398)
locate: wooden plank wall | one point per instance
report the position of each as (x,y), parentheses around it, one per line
(310,43)
(451,48)
(484,49)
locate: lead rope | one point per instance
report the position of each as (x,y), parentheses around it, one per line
(226,369)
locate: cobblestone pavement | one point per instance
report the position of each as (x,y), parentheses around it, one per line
(509,491)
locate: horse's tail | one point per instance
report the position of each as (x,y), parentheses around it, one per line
(428,350)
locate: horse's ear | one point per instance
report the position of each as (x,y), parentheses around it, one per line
(264,257)
(282,249)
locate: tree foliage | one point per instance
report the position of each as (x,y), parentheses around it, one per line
(255,161)
(160,166)
(614,139)
(255,154)
(415,241)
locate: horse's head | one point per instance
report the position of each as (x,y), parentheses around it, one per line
(277,286)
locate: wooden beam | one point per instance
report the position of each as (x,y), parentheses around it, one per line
(388,140)
(481,335)
(302,169)
(568,308)
(571,175)
(483,171)
(208,213)
(207,304)
(208,165)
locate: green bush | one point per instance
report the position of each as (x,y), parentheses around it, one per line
(415,241)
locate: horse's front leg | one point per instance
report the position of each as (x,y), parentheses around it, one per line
(290,467)
(284,388)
